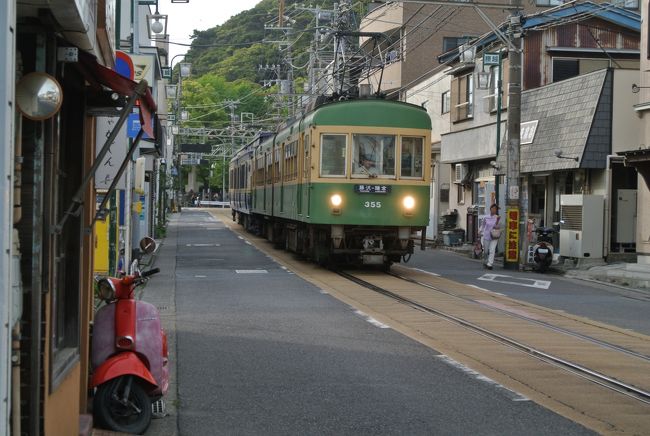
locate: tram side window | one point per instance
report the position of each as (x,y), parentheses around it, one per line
(411,159)
(332,158)
(373,155)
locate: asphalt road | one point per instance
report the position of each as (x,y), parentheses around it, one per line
(613,305)
(261,351)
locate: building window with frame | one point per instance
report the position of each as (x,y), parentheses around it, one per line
(460,194)
(452,42)
(446,102)
(462,97)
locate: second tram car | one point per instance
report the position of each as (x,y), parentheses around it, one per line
(349,181)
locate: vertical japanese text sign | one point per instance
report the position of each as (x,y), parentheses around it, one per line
(512,235)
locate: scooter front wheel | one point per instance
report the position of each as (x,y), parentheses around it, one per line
(122,405)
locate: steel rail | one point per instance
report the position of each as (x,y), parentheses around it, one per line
(567,332)
(574,368)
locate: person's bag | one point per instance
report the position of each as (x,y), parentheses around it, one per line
(496,230)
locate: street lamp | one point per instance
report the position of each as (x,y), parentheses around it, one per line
(157,25)
(171,91)
(186,70)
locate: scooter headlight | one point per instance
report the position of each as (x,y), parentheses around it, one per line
(106,290)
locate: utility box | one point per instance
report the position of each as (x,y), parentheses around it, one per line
(581,226)
(453,237)
(625,216)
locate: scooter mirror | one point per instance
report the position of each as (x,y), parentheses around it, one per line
(147,245)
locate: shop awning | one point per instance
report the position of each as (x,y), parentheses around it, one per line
(639,159)
(97,75)
(138,95)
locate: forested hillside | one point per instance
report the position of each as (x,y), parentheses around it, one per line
(235,49)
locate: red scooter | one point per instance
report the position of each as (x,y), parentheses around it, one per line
(129,354)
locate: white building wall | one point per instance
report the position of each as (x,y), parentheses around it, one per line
(643,198)
(627,126)
(428,93)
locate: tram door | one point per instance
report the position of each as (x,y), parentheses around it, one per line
(306,175)
(301,176)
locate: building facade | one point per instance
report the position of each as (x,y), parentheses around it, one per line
(56,84)
(579,65)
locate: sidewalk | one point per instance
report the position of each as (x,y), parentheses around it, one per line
(161,292)
(624,274)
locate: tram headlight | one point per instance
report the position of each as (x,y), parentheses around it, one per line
(408,203)
(336,200)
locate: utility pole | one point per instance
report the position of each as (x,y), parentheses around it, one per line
(232,104)
(315,57)
(342,23)
(514,226)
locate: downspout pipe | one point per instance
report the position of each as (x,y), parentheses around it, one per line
(608,201)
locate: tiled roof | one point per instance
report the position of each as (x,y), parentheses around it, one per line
(565,112)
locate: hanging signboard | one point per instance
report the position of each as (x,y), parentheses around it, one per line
(115,156)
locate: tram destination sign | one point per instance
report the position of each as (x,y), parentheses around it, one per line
(372,189)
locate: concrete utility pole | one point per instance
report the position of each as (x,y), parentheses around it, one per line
(514,227)
(232,104)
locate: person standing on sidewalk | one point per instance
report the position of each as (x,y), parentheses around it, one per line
(490,233)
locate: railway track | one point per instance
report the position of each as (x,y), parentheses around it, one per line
(592,373)
(575,368)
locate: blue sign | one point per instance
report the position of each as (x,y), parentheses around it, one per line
(133,127)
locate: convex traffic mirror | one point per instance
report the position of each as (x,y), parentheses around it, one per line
(39,96)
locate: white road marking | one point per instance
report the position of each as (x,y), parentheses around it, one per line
(501,278)
(251,271)
(286,269)
(203,245)
(372,320)
(424,271)
(485,290)
(200,276)
(514,396)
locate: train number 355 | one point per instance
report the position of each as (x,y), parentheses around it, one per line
(372,204)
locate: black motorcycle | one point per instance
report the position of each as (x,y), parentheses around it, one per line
(543,249)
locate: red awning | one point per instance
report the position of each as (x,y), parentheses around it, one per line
(99,75)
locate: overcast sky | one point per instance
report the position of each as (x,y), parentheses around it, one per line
(200,15)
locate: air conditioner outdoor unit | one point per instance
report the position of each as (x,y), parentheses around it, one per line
(467,53)
(460,172)
(581,226)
